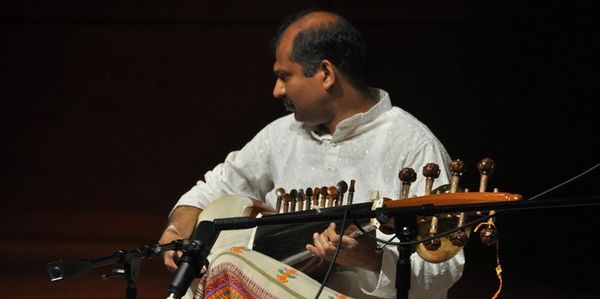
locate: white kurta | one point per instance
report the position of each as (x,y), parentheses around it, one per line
(370,147)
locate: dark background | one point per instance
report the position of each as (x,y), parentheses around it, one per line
(113,109)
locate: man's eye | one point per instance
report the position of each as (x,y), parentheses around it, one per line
(283,77)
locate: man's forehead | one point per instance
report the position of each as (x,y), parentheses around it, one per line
(282,51)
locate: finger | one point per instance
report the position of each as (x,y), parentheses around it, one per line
(168,260)
(321,243)
(331,234)
(331,229)
(351,229)
(315,249)
(349,242)
(312,249)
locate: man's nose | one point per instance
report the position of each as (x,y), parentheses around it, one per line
(279,89)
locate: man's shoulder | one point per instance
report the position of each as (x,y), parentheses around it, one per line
(405,123)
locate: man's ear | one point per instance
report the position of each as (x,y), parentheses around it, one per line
(328,73)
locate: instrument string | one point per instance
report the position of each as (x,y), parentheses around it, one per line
(565,182)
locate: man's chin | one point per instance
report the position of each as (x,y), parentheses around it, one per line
(296,116)
(304,121)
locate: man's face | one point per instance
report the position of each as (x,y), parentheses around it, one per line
(305,96)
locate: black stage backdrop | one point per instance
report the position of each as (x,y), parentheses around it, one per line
(113,109)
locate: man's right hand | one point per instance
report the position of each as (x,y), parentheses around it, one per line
(171,233)
(181,225)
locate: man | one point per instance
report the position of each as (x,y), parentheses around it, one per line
(339,128)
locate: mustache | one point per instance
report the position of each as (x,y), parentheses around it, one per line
(288,104)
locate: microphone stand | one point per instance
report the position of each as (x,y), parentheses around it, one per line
(406,230)
(405,222)
(131,261)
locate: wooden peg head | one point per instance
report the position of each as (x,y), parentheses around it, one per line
(457,167)
(486,166)
(407,175)
(342,187)
(431,170)
(280,192)
(309,192)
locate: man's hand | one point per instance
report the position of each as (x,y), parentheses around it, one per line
(181,225)
(171,233)
(352,251)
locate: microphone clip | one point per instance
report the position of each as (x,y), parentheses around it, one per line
(195,253)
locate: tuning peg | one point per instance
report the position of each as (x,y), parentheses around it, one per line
(300,200)
(351,192)
(431,171)
(486,168)
(323,200)
(331,196)
(309,194)
(459,237)
(407,175)
(286,202)
(294,197)
(279,192)
(457,169)
(433,244)
(341,187)
(489,232)
(315,199)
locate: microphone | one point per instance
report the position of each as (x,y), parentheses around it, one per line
(193,259)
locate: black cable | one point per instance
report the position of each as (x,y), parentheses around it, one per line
(337,250)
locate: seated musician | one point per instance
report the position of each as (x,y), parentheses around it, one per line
(338,128)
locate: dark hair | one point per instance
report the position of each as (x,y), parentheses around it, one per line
(338,42)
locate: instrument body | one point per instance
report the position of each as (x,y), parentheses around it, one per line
(268,239)
(284,242)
